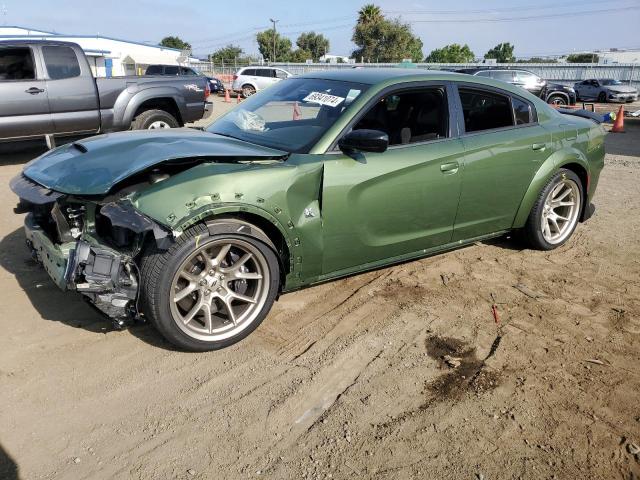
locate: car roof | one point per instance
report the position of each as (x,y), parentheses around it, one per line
(372,76)
(25,42)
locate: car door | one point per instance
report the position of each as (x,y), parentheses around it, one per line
(73,96)
(377,206)
(590,90)
(504,147)
(24,104)
(266,77)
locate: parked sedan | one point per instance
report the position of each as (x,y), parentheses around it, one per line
(319,177)
(608,90)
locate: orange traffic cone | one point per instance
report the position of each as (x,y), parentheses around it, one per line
(618,125)
(238,98)
(227,98)
(296,111)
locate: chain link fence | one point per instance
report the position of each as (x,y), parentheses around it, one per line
(565,73)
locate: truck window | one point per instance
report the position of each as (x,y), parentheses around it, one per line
(16,64)
(61,62)
(171,70)
(154,70)
(187,71)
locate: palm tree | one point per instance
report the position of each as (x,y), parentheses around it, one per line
(369,13)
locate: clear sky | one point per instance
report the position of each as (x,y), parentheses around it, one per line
(540,27)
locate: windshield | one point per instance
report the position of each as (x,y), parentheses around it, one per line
(291,115)
(611,82)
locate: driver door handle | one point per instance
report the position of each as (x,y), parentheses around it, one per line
(34,90)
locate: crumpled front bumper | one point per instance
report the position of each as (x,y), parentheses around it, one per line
(106,277)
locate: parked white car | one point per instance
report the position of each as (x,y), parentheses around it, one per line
(608,90)
(249,80)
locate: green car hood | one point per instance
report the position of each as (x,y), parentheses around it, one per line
(94,165)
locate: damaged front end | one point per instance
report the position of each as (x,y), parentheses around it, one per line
(88,245)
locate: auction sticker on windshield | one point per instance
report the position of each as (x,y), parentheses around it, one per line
(323,99)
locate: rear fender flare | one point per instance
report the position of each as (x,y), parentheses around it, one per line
(548,168)
(126,106)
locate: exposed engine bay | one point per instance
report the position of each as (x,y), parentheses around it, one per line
(90,245)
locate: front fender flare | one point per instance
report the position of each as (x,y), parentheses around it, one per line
(548,168)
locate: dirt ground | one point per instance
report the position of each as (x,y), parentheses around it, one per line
(349,379)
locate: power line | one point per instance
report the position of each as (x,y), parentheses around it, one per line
(554,6)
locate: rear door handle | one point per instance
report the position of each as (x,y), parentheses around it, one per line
(539,146)
(449,168)
(34,90)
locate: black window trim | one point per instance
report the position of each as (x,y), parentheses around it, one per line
(46,68)
(488,88)
(452,131)
(36,77)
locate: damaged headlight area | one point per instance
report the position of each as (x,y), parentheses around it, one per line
(88,245)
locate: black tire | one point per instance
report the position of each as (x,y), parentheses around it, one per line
(158,269)
(248,90)
(532,231)
(146,119)
(602,97)
(557,100)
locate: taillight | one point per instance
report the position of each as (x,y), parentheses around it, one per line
(235,77)
(207,91)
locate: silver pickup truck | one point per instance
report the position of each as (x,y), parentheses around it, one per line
(47,90)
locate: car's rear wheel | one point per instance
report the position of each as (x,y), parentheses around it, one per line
(555,214)
(154,120)
(557,100)
(209,291)
(602,97)
(248,90)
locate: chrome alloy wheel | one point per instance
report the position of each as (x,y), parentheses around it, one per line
(220,289)
(560,211)
(158,124)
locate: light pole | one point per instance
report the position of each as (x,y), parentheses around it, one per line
(274,37)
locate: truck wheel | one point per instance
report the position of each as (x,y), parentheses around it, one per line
(248,90)
(209,291)
(555,214)
(153,120)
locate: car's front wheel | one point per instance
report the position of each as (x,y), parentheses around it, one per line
(557,100)
(555,214)
(209,291)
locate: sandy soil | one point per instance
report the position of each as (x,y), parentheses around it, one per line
(348,379)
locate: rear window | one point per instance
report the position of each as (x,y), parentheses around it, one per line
(61,62)
(484,110)
(16,64)
(154,70)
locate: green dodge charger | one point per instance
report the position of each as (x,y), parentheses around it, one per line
(318,177)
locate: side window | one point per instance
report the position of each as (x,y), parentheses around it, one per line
(154,70)
(16,64)
(521,111)
(187,71)
(484,73)
(280,74)
(485,110)
(61,62)
(265,72)
(503,75)
(410,117)
(171,70)
(249,71)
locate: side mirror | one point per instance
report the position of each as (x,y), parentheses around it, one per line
(364,141)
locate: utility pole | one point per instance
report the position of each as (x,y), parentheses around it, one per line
(3,10)
(274,38)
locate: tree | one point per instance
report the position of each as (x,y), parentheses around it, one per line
(229,53)
(537,60)
(370,13)
(314,43)
(175,42)
(453,53)
(265,45)
(382,40)
(298,55)
(502,52)
(582,58)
